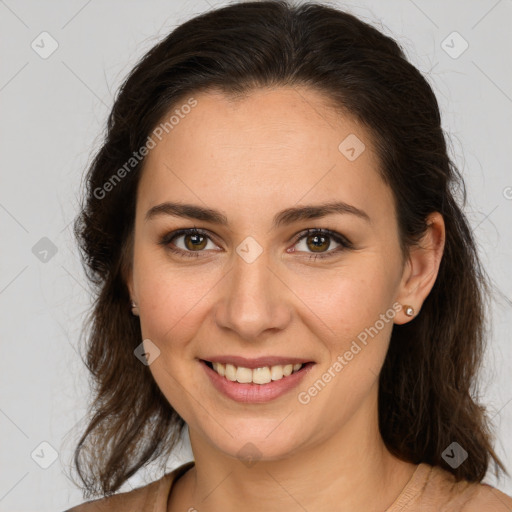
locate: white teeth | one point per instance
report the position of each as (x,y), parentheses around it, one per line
(230,372)
(276,372)
(262,375)
(243,375)
(220,369)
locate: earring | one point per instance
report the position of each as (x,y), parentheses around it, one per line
(134,307)
(409,310)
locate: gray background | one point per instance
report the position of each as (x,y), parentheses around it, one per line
(53,115)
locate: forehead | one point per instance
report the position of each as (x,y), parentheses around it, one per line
(272,148)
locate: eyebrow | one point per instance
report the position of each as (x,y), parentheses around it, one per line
(283,218)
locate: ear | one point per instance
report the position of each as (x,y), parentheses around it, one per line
(129,284)
(127,266)
(421,269)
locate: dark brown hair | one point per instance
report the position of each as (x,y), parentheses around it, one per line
(427,387)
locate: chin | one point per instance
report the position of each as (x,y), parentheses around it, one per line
(254,440)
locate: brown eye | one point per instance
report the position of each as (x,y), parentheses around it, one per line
(319,243)
(187,242)
(195,241)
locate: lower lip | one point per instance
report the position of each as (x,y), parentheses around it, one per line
(256,393)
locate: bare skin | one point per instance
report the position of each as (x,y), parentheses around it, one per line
(250,159)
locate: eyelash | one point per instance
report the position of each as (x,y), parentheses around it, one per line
(344,242)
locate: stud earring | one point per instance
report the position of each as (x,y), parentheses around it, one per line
(134,307)
(409,310)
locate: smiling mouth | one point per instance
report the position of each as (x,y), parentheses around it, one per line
(262,375)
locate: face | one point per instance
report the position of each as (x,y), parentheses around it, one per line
(252,287)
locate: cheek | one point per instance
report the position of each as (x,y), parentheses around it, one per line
(353,319)
(171,300)
(170,313)
(348,299)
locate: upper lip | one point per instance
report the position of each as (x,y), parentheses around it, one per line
(257,362)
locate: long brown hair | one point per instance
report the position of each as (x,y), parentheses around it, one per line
(427,383)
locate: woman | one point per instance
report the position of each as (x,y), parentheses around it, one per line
(282,266)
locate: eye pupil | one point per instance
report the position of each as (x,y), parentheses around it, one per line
(194,238)
(315,239)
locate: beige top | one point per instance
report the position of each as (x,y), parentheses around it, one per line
(430,489)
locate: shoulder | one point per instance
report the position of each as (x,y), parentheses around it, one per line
(137,500)
(467,496)
(151,497)
(434,489)
(486,497)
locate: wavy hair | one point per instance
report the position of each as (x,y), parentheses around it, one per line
(427,386)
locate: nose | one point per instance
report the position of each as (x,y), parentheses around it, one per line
(254,300)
